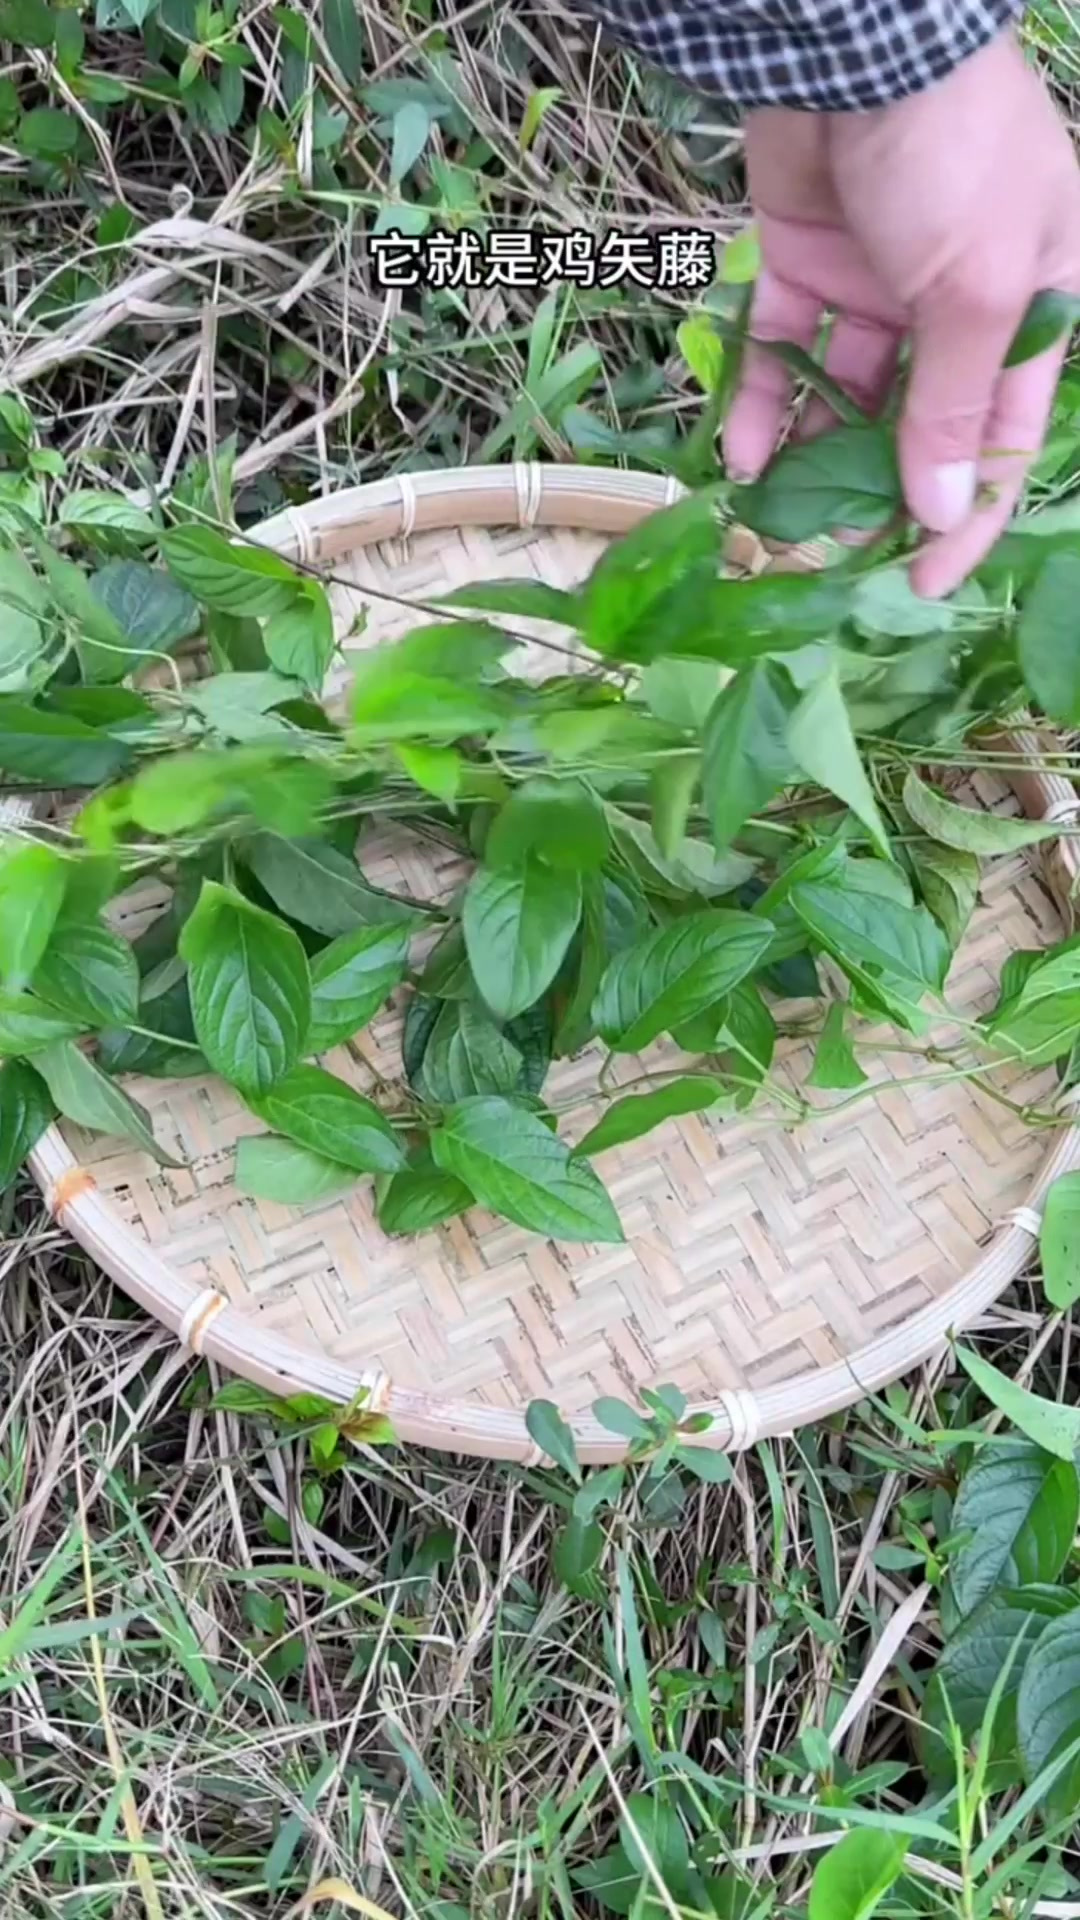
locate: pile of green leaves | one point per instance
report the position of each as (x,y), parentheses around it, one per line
(669,834)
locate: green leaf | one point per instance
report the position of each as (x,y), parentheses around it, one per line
(703,350)
(351,979)
(846,478)
(28,23)
(467,1054)
(24,656)
(618,1418)
(1054,1428)
(639,1113)
(948,881)
(1048,1709)
(412,126)
(972,1661)
(645,590)
(56,749)
(970,829)
(835,1066)
(695,868)
(705,1463)
(246,580)
(299,639)
(27,1025)
(33,881)
(1049,316)
(518,1168)
(152,612)
(518,926)
(747,758)
(650,1831)
(823,747)
(250,989)
(421,1197)
(1047,640)
(47,133)
(671,792)
(552,1435)
(87,1096)
(1021,1506)
(409,705)
(599,1490)
(1059,1242)
(315,884)
(318,1111)
(292,1176)
(681,692)
(561,821)
(853,1878)
(26,1109)
(676,973)
(105,518)
(436,770)
(91,974)
(862,929)
(750,1032)
(528,599)
(345,38)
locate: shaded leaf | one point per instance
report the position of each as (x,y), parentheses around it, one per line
(26,1109)
(91,974)
(846,478)
(516,1167)
(86,1095)
(747,757)
(321,888)
(518,926)
(1059,1241)
(835,1066)
(1054,1428)
(1048,1708)
(33,881)
(421,1196)
(318,1111)
(269,1168)
(639,1113)
(676,973)
(250,989)
(852,1879)
(970,829)
(1021,1505)
(351,979)
(552,1435)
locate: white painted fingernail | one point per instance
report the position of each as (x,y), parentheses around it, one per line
(950,495)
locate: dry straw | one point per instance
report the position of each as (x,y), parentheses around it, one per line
(775,1274)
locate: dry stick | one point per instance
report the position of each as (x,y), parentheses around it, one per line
(264,454)
(749,1669)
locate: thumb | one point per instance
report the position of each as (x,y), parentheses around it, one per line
(959,342)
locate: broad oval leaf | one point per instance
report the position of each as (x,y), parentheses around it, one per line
(33,881)
(518,926)
(1059,1241)
(969,1668)
(1048,638)
(675,973)
(553,1435)
(639,1113)
(320,1112)
(864,929)
(467,1054)
(846,478)
(562,821)
(529,599)
(351,979)
(517,1167)
(969,829)
(26,1109)
(321,888)
(1021,1505)
(299,640)
(421,1196)
(269,1168)
(86,1095)
(151,609)
(56,749)
(27,1025)
(246,580)
(1048,1708)
(855,1875)
(250,989)
(91,974)
(747,757)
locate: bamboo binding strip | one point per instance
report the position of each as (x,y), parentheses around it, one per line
(776,1276)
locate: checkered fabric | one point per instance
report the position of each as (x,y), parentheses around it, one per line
(821,55)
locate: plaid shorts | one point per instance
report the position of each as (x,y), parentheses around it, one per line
(822,55)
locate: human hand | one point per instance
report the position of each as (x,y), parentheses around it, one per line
(932,221)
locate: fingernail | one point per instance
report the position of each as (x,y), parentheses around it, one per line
(739,476)
(950,495)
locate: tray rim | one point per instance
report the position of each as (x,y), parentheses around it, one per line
(585,499)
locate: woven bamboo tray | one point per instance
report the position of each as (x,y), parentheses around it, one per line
(775,1275)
